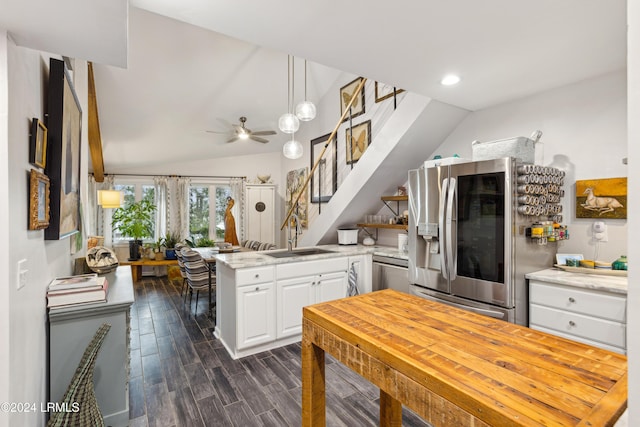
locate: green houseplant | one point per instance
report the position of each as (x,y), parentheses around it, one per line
(170,241)
(135,221)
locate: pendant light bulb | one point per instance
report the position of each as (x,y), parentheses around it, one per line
(292,149)
(288,123)
(306,111)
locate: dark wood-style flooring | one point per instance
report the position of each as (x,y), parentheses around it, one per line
(182,376)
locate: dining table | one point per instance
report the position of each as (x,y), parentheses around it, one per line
(454,367)
(209,256)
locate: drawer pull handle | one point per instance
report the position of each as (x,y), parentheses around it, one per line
(257,275)
(572,323)
(572,300)
(257,288)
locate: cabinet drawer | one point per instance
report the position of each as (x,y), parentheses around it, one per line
(251,276)
(601,330)
(310,268)
(591,303)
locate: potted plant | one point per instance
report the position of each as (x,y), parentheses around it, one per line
(135,221)
(157,249)
(202,242)
(170,241)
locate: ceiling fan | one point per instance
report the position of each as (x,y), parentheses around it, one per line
(242,132)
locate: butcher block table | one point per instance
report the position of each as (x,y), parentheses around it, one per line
(454,367)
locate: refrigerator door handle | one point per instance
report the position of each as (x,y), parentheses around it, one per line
(451,267)
(442,234)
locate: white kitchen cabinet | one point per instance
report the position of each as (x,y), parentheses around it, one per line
(591,316)
(256,314)
(306,283)
(298,292)
(260,212)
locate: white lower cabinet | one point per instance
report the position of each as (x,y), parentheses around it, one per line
(298,292)
(590,316)
(256,314)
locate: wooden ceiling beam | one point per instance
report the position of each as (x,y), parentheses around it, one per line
(95,140)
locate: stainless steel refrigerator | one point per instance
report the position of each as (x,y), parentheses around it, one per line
(467,242)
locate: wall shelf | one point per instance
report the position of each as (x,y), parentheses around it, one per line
(397,199)
(388,226)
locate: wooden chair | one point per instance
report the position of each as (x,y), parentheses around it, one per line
(198,273)
(80,391)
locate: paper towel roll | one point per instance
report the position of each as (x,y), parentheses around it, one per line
(403,240)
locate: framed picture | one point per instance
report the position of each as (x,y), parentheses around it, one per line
(384,91)
(63,153)
(346,92)
(38,143)
(358,139)
(295,180)
(38,200)
(324,179)
(601,198)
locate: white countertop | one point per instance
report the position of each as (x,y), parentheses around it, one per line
(259,258)
(615,284)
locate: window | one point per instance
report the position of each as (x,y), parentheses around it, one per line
(207,204)
(132,193)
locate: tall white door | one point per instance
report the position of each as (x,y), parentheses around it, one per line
(260,211)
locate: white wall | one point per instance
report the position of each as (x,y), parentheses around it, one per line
(633,301)
(26,307)
(584,130)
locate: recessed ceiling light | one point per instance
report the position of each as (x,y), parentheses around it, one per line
(450,80)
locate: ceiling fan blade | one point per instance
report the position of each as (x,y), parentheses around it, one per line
(258,139)
(264,132)
(217,131)
(233,139)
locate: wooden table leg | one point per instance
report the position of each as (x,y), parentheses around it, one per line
(136,272)
(390,411)
(313,385)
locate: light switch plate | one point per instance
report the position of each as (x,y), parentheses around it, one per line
(22,274)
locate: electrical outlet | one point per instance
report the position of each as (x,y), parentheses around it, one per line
(600,232)
(22,274)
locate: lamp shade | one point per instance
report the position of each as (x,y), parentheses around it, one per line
(292,149)
(306,111)
(289,123)
(109,198)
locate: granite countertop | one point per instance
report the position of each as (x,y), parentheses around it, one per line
(614,284)
(259,258)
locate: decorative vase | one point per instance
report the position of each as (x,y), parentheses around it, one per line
(159,256)
(620,263)
(170,254)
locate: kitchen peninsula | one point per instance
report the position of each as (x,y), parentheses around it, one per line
(260,295)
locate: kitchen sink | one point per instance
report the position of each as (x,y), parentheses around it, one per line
(298,252)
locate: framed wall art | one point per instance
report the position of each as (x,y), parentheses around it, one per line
(38,200)
(384,91)
(324,179)
(346,92)
(38,143)
(63,153)
(295,180)
(358,139)
(601,198)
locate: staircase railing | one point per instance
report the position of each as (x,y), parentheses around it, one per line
(346,111)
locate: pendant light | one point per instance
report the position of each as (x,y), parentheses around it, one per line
(289,123)
(306,111)
(292,149)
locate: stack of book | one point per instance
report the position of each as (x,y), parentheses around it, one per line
(81,289)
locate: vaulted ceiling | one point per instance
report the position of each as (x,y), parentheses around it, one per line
(167,71)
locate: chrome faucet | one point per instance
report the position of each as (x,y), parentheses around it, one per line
(291,239)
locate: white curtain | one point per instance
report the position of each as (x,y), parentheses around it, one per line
(162,218)
(98,220)
(180,204)
(238,193)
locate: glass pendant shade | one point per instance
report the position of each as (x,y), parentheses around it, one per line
(292,149)
(110,199)
(289,123)
(306,111)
